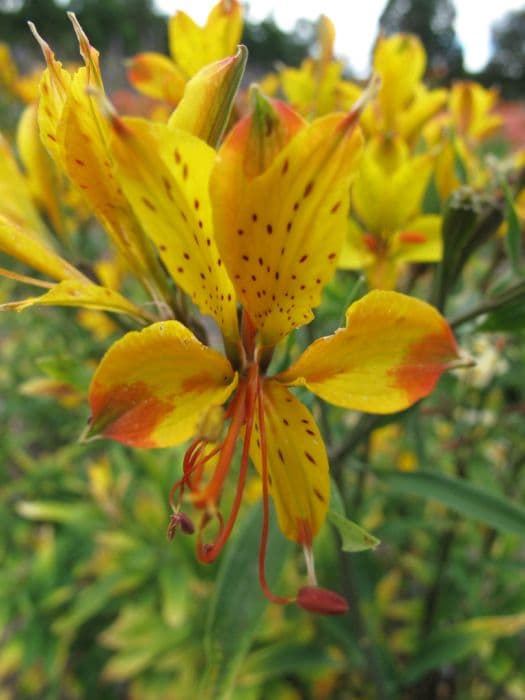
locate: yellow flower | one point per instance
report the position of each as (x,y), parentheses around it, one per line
(403,103)
(76,133)
(25,237)
(260,224)
(388,228)
(191,48)
(459,132)
(470,106)
(317,86)
(251,232)
(23,87)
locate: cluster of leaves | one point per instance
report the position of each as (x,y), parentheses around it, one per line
(93,593)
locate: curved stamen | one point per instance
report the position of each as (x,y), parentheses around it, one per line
(211,492)
(189,465)
(204,547)
(266,507)
(210,553)
(194,475)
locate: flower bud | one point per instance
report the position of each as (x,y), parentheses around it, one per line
(208,98)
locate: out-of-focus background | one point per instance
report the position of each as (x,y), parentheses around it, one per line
(480,40)
(95,602)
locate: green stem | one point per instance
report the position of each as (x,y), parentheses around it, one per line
(512,294)
(364,427)
(362,629)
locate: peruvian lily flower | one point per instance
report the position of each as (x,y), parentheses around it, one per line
(258,228)
(76,134)
(388,229)
(403,104)
(317,86)
(22,87)
(468,122)
(191,47)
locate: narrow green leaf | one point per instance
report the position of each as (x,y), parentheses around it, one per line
(462,496)
(356,291)
(88,603)
(286,657)
(513,228)
(238,603)
(57,512)
(354,538)
(461,640)
(509,317)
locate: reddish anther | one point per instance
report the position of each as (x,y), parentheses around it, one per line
(321,601)
(180,520)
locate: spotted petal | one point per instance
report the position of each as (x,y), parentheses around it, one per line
(85,295)
(16,203)
(153,387)
(298,476)
(280,232)
(391,353)
(164,173)
(18,241)
(54,88)
(76,134)
(43,179)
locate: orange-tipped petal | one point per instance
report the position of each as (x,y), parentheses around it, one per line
(391,353)
(153,387)
(299,482)
(280,232)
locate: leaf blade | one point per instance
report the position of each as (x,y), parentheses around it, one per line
(460,495)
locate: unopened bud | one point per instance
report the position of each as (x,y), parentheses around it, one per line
(208,98)
(321,601)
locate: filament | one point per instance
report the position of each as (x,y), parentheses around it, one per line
(208,554)
(264,476)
